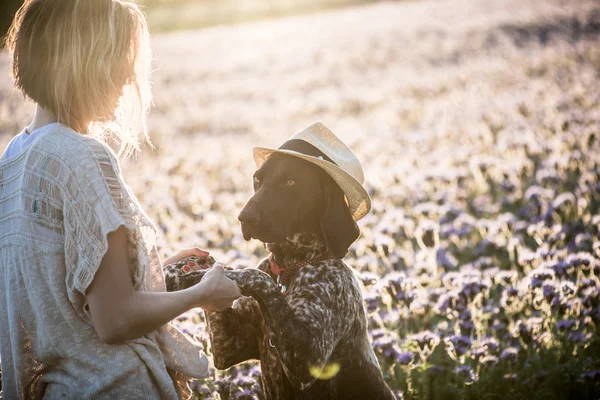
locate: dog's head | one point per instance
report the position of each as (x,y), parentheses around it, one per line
(292,196)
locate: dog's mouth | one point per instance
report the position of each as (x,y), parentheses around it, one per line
(259,233)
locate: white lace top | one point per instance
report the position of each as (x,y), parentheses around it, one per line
(59,198)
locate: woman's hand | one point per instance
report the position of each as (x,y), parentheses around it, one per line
(185,253)
(119,312)
(215,291)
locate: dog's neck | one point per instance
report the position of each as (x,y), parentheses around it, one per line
(301,247)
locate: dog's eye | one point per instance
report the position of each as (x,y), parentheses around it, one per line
(290,183)
(256,181)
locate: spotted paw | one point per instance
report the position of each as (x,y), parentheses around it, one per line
(186,272)
(192,263)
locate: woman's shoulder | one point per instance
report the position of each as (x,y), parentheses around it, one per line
(63,140)
(77,162)
(79,153)
(12,147)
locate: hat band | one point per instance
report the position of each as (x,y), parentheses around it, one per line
(301,146)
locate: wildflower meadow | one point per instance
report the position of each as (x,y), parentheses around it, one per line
(478,125)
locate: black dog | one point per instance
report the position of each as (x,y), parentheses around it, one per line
(309,330)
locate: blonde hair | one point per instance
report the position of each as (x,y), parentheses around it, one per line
(88,62)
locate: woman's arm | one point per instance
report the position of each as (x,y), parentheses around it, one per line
(234,332)
(119,312)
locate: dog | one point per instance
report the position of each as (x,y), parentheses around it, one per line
(305,323)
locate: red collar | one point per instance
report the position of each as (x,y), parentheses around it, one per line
(284,274)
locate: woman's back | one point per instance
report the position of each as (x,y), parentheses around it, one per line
(83,304)
(59,198)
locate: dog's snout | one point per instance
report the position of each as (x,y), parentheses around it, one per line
(249,219)
(248,216)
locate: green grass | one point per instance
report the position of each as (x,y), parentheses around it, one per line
(172,15)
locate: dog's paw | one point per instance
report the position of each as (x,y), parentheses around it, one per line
(251,281)
(180,282)
(186,272)
(194,263)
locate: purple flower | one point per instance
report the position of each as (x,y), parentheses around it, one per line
(466,328)
(560,267)
(461,227)
(446,303)
(584,241)
(467,373)
(400,288)
(377,333)
(510,377)
(201,388)
(499,327)
(539,276)
(511,298)
(568,289)
(506,277)
(472,286)
(550,291)
(254,371)
(565,325)
(564,200)
(405,358)
(576,337)
(244,381)
(528,329)
(586,283)
(428,234)
(435,370)
(479,352)
(581,260)
(459,344)
(489,360)
(590,376)
(368,278)
(445,259)
(244,394)
(384,342)
(372,300)
(426,339)
(487,346)
(536,194)
(387,346)
(510,354)
(491,343)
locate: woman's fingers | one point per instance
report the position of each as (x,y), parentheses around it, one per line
(196,251)
(192,251)
(217,270)
(185,253)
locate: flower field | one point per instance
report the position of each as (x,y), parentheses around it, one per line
(478,125)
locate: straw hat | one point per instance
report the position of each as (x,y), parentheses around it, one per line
(320,146)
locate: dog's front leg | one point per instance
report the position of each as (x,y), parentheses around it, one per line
(304,328)
(234,332)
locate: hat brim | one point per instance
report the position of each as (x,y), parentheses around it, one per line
(358,199)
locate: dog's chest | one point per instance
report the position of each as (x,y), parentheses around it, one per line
(274,380)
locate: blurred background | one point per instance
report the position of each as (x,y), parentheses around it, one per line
(477,122)
(170,15)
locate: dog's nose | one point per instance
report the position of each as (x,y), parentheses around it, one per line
(248,216)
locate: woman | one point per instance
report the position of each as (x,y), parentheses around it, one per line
(84,311)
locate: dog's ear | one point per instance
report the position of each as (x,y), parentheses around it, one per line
(338,226)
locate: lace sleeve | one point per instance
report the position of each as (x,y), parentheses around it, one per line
(96,203)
